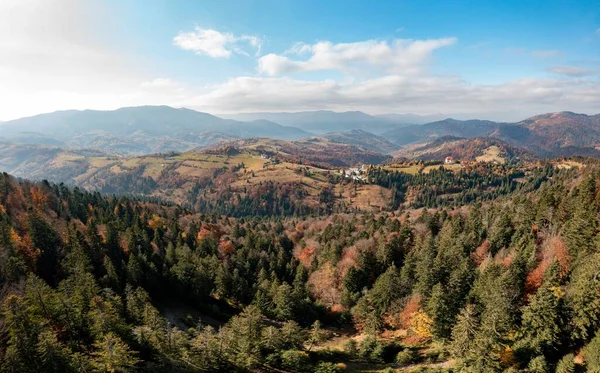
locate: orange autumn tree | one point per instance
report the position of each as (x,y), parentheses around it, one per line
(24,247)
(553,249)
(39,197)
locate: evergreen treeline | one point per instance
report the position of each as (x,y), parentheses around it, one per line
(441,187)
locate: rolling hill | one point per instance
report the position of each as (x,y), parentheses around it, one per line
(555,134)
(363,139)
(38,162)
(447,127)
(476,149)
(299,170)
(318,151)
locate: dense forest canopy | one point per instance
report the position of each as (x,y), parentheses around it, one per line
(497,275)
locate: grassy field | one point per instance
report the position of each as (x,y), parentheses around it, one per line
(491,154)
(414,169)
(364,196)
(451,167)
(568,164)
(100,162)
(65,158)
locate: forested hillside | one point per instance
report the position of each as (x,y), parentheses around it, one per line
(93,283)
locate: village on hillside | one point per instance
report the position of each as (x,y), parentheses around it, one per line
(356,173)
(360,173)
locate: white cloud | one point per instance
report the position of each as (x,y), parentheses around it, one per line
(400,55)
(570,71)
(298,48)
(394,93)
(216,44)
(598,31)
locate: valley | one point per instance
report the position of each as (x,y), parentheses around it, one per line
(345,251)
(276,177)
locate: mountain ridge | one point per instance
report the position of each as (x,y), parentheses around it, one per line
(183,128)
(152,129)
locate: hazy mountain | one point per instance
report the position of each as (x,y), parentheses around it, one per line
(313,150)
(547,135)
(34,161)
(363,139)
(32,138)
(407,119)
(555,134)
(323,121)
(154,120)
(447,127)
(138,129)
(154,129)
(475,149)
(264,128)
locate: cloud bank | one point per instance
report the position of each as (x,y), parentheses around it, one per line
(399,55)
(513,100)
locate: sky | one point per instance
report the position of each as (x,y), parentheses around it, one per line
(495,59)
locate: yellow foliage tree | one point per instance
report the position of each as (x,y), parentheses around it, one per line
(421,324)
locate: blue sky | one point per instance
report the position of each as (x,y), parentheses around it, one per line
(490,33)
(494,59)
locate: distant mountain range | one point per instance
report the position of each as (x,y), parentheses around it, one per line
(170,153)
(138,130)
(154,129)
(323,121)
(547,135)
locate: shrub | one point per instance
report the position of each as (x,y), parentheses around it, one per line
(329,355)
(406,357)
(377,355)
(295,360)
(328,368)
(371,350)
(351,348)
(273,360)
